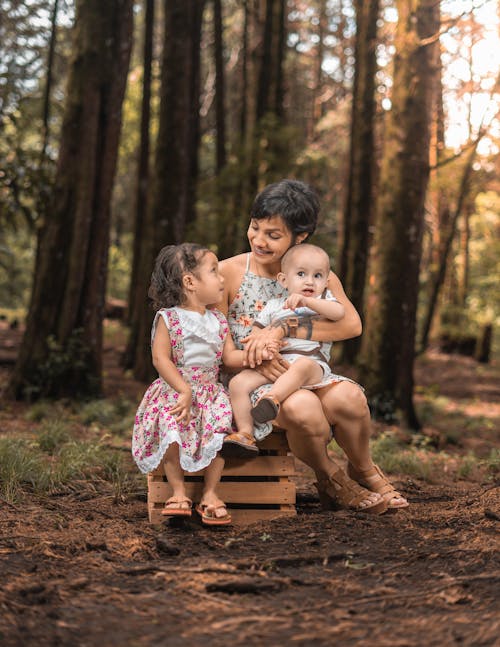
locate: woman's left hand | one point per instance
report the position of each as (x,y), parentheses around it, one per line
(261,345)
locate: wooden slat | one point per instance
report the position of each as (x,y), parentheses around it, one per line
(240,517)
(231,492)
(260,466)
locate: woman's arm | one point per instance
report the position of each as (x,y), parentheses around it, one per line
(162,361)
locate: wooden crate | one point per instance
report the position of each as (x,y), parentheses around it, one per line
(255,489)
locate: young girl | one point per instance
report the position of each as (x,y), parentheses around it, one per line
(304,273)
(185,413)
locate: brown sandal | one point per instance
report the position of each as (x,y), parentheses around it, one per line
(239,445)
(179,511)
(266,408)
(339,491)
(375,480)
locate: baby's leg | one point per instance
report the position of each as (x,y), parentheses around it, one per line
(240,388)
(302,372)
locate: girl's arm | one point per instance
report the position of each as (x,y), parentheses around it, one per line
(234,358)
(162,361)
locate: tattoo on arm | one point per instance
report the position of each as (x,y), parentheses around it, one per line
(291,325)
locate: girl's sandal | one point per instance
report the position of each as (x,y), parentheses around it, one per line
(376,481)
(209,517)
(339,491)
(179,507)
(265,409)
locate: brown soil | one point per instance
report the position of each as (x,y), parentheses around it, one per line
(81,569)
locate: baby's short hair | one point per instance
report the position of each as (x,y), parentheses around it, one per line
(306,248)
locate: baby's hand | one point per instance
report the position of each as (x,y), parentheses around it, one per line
(182,409)
(295,301)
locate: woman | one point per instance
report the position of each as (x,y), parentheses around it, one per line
(285,214)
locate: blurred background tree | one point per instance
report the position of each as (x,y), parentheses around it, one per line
(256,90)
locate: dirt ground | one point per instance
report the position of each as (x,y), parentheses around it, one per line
(80,569)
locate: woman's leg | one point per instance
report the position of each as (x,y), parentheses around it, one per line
(308,433)
(345,406)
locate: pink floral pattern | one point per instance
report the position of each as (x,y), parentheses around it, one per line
(155,428)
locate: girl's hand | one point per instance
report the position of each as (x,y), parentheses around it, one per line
(182,410)
(295,301)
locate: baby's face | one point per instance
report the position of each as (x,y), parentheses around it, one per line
(306,274)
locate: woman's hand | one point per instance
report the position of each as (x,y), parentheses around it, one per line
(262,345)
(272,369)
(182,409)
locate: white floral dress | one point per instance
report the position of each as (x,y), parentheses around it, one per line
(253,295)
(196,343)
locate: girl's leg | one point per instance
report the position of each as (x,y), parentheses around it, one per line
(240,388)
(209,497)
(345,406)
(175,476)
(308,433)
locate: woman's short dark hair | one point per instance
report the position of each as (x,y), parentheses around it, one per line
(173,261)
(296,202)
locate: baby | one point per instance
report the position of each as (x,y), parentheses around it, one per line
(304,273)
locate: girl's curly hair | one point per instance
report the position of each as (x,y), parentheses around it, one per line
(172,262)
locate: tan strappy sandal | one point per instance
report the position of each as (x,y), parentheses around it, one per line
(375,480)
(339,491)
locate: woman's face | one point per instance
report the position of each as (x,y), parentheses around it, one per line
(270,238)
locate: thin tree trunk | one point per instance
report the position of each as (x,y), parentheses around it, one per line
(142,229)
(48,82)
(389,349)
(358,214)
(61,352)
(439,278)
(220,118)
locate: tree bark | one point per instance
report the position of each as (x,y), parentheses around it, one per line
(61,352)
(389,349)
(358,213)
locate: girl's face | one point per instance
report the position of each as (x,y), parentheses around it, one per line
(207,283)
(269,239)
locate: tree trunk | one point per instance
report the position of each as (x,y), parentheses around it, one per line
(176,159)
(61,352)
(220,119)
(142,228)
(48,82)
(358,214)
(389,349)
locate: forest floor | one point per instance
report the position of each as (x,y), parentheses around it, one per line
(83,566)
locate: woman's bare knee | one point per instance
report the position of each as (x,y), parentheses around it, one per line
(344,399)
(302,413)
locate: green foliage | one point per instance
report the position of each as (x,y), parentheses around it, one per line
(64,370)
